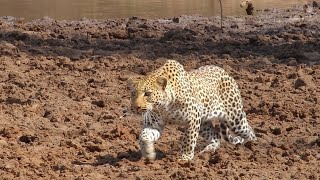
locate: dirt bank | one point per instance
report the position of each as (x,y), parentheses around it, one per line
(64,102)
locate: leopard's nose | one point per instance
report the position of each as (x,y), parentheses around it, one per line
(138,107)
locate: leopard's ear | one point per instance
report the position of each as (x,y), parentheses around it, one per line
(132,82)
(162,82)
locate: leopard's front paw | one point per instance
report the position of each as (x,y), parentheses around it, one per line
(147,150)
(150,156)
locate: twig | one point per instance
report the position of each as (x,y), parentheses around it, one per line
(221,14)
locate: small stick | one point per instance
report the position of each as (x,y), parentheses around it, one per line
(221,13)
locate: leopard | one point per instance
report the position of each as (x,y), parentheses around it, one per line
(191,99)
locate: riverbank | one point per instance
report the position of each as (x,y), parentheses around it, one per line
(64,102)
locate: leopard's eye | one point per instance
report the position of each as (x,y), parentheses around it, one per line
(147,93)
(133,94)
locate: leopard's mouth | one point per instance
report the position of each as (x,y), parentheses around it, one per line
(139,110)
(144,109)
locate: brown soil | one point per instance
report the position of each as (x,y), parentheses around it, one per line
(64,105)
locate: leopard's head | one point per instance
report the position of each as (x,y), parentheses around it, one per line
(148,93)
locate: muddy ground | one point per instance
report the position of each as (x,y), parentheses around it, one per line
(64,104)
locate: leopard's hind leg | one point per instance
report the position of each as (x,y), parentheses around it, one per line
(220,114)
(242,128)
(211,135)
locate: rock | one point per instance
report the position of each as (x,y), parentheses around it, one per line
(176,20)
(106,117)
(304,80)
(276,131)
(3,143)
(114,98)
(123,155)
(8,45)
(10,165)
(307,8)
(289,129)
(118,35)
(85,104)
(250,146)
(284,147)
(34,107)
(299,83)
(292,76)
(215,160)
(283,117)
(259,79)
(64,60)
(292,61)
(8,48)
(233,26)
(91,147)
(275,83)
(259,130)
(124,77)
(28,139)
(312,57)
(99,103)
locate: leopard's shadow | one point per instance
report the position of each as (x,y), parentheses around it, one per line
(133,156)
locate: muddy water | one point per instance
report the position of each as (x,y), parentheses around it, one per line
(102,9)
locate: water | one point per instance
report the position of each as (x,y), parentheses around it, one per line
(104,9)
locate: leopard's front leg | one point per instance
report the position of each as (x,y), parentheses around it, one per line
(190,137)
(152,129)
(147,139)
